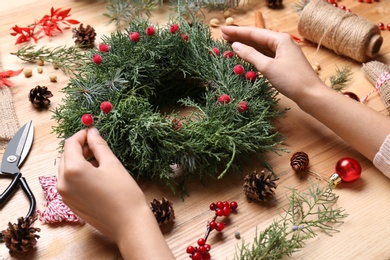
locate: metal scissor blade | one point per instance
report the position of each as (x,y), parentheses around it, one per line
(20,145)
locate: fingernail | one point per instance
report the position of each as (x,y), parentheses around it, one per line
(94,131)
(237,46)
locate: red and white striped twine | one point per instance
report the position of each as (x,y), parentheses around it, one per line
(382,79)
(56,211)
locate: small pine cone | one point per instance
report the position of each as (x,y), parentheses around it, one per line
(259,186)
(85,36)
(274,3)
(163,211)
(39,97)
(299,161)
(21,237)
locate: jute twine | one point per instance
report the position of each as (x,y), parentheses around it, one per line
(343,32)
(379,75)
(8,120)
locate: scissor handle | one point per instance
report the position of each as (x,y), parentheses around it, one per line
(12,186)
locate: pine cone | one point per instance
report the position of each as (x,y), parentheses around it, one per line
(85,36)
(163,211)
(39,97)
(259,186)
(21,237)
(299,161)
(274,3)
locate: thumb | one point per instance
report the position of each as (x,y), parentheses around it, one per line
(99,147)
(250,54)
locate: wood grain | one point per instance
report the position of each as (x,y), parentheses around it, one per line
(364,235)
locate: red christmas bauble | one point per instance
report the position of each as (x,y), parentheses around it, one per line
(348,169)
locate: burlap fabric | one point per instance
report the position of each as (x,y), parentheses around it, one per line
(8,120)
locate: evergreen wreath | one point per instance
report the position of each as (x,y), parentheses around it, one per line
(143,71)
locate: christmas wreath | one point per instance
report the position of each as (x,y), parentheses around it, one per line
(139,81)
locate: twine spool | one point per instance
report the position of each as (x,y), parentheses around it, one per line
(343,32)
(379,75)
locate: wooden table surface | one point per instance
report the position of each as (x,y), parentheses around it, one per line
(366,230)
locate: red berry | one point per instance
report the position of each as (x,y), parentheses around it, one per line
(220,226)
(150,31)
(238,69)
(251,75)
(215,51)
(219,204)
(213,224)
(197,256)
(335,4)
(226,211)
(87,119)
(202,249)
(206,256)
(343,7)
(213,206)
(369,1)
(134,36)
(201,241)
(97,59)
(174,28)
(190,249)
(224,99)
(242,106)
(228,54)
(225,204)
(219,212)
(176,124)
(207,246)
(388,26)
(233,205)
(184,36)
(104,47)
(381,26)
(106,107)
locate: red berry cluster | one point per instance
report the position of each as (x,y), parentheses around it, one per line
(202,251)
(105,107)
(382,26)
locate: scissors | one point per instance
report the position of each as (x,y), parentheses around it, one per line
(14,155)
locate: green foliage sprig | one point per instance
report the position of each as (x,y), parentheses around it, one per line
(142,79)
(65,58)
(307,214)
(343,76)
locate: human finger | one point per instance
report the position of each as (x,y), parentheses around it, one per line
(99,147)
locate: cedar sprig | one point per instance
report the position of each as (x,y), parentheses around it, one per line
(65,58)
(308,213)
(343,76)
(162,70)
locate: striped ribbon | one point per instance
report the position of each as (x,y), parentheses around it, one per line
(380,81)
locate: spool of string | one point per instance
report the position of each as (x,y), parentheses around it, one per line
(343,32)
(379,75)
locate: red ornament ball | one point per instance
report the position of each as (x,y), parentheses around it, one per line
(134,36)
(242,106)
(106,107)
(251,75)
(150,31)
(104,47)
(224,99)
(381,26)
(87,119)
(97,59)
(348,169)
(184,37)
(238,69)
(174,28)
(228,54)
(215,51)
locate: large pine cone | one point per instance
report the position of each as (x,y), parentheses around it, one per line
(259,186)
(21,237)
(299,161)
(163,211)
(39,97)
(85,36)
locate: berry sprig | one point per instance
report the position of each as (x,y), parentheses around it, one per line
(88,120)
(202,251)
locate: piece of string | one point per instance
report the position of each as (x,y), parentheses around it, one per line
(56,211)
(343,32)
(382,79)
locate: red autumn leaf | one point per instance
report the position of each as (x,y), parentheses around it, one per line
(63,14)
(72,21)
(4,81)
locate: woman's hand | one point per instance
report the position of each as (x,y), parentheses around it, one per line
(105,195)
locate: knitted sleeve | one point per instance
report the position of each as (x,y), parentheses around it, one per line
(382,158)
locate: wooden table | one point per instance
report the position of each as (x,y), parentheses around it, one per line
(364,235)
